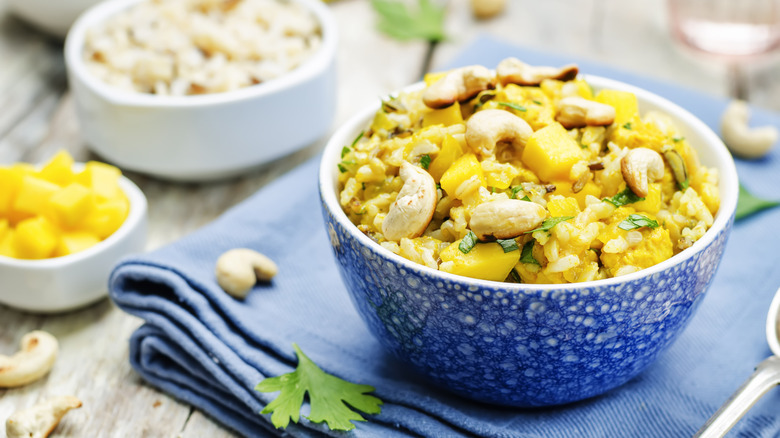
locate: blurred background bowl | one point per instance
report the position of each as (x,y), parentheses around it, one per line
(209,136)
(69,282)
(52,17)
(527,344)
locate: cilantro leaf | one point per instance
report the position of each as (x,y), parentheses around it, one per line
(344,151)
(527,256)
(357,139)
(468,243)
(514,106)
(328,397)
(398,21)
(515,191)
(515,276)
(748,204)
(634,221)
(550,222)
(525,198)
(625,197)
(425,161)
(678,138)
(627,125)
(508,245)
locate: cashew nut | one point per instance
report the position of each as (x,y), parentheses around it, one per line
(484,9)
(742,140)
(488,127)
(458,85)
(505,218)
(36,355)
(239,269)
(514,71)
(576,112)
(413,209)
(641,166)
(39,420)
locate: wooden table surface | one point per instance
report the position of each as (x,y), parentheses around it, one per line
(37,118)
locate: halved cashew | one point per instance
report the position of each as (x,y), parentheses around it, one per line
(641,166)
(413,209)
(239,269)
(505,218)
(39,420)
(514,71)
(488,127)
(742,140)
(576,112)
(458,85)
(36,355)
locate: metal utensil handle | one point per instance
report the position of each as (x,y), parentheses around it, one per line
(766,376)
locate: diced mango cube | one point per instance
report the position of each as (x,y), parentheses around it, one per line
(445,116)
(106,218)
(432,78)
(34,195)
(75,241)
(59,169)
(464,168)
(564,188)
(102,178)
(652,202)
(7,247)
(450,151)
(35,238)
(5,227)
(71,204)
(625,104)
(10,181)
(487,261)
(550,152)
(560,206)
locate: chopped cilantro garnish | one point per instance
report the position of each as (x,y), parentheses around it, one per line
(397,20)
(330,397)
(363,186)
(748,204)
(344,151)
(537,102)
(525,198)
(357,139)
(514,106)
(342,169)
(634,221)
(515,191)
(425,161)
(527,256)
(583,146)
(625,197)
(678,139)
(508,245)
(468,243)
(550,222)
(515,276)
(627,125)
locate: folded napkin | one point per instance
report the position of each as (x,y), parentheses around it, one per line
(210,350)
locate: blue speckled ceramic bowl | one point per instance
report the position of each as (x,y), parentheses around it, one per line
(523,344)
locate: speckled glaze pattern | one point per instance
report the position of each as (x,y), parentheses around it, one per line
(516,344)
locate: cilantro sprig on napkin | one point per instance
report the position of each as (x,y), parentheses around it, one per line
(398,21)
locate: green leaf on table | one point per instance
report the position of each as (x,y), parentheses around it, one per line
(330,397)
(550,222)
(398,21)
(748,204)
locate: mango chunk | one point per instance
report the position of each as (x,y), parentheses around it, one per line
(10,181)
(450,151)
(445,116)
(464,168)
(564,188)
(550,152)
(560,206)
(102,178)
(71,204)
(35,238)
(75,241)
(625,104)
(652,202)
(486,261)
(34,195)
(59,169)
(7,247)
(106,218)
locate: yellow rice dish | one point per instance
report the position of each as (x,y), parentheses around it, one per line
(523,174)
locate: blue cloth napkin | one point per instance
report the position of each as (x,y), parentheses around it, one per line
(209,350)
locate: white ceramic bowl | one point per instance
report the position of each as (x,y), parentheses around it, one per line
(65,283)
(51,16)
(528,344)
(206,136)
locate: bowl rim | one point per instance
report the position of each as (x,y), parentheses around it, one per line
(728,190)
(317,63)
(136,215)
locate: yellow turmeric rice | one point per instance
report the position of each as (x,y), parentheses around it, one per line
(591,164)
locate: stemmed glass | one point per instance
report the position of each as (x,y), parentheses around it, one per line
(732,31)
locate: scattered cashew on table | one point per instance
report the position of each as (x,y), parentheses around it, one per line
(240,268)
(39,421)
(36,356)
(741,139)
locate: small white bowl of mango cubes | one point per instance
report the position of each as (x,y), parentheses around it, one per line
(63,227)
